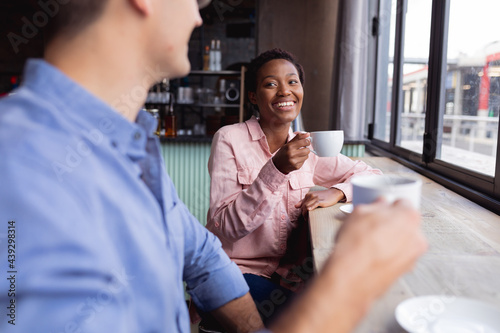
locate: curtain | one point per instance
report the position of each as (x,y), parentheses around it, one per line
(350,74)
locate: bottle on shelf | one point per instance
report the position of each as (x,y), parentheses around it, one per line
(206,58)
(212,56)
(170,120)
(218,56)
(222,90)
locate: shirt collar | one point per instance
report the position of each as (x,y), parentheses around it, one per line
(88,111)
(256,132)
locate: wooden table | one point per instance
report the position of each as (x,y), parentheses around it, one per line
(463,257)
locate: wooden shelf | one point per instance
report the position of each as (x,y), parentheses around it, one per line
(210,105)
(215,73)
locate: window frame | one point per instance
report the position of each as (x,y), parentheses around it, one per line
(478,187)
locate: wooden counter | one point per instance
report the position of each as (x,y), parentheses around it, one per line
(463,257)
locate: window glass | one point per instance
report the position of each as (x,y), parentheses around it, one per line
(472,98)
(382,123)
(414,85)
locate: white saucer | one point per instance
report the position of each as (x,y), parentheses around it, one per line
(346,208)
(447,314)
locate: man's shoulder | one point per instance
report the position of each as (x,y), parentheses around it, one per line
(24,112)
(33,131)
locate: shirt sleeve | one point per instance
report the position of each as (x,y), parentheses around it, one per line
(212,279)
(239,205)
(337,172)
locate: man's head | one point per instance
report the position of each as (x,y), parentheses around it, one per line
(156,32)
(74,16)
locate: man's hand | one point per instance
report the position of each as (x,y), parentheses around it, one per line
(324,198)
(293,154)
(376,244)
(384,240)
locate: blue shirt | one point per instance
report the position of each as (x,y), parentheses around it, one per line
(93,237)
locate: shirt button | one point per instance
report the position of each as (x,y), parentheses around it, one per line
(137,135)
(283,217)
(282,246)
(217,224)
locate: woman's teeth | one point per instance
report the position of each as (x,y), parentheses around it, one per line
(283,104)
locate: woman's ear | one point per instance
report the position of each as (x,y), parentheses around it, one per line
(252,97)
(145,7)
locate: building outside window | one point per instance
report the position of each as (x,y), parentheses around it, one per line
(437,88)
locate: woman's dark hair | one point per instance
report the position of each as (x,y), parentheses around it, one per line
(265,57)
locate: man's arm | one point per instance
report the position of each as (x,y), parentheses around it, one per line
(375,245)
(215,283)
(239,315)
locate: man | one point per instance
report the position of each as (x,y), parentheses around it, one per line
(95,238)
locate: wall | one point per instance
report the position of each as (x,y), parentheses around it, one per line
(232,22)
(26,39)
(308,30)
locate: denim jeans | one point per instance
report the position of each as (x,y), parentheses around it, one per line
(269,297)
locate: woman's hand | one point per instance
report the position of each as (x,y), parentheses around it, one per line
(293,154)
(324,198)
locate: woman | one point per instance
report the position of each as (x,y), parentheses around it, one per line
(261,173)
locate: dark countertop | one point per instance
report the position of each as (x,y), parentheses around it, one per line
(188,139)
(208,139)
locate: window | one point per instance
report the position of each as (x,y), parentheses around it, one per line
(437,90)
(411,111)
(382,128)
(472,86)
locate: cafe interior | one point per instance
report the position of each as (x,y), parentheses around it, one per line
(413,84)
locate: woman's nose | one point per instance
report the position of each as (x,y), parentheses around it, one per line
(283,91)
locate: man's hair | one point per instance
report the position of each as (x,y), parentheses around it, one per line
(265,57)
(73,16)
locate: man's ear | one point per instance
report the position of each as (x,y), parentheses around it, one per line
(145,7)
(252,97)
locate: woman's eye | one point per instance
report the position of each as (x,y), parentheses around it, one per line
(270,84)
(293,82)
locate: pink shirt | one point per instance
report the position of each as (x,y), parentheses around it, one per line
(252,204)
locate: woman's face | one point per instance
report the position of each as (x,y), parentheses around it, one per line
(279,92)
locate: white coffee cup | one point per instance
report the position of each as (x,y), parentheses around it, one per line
(367,189)
(327,143)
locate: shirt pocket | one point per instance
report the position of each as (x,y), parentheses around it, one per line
(301,182)
(246,177)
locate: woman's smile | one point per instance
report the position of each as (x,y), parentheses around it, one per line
(285,106)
